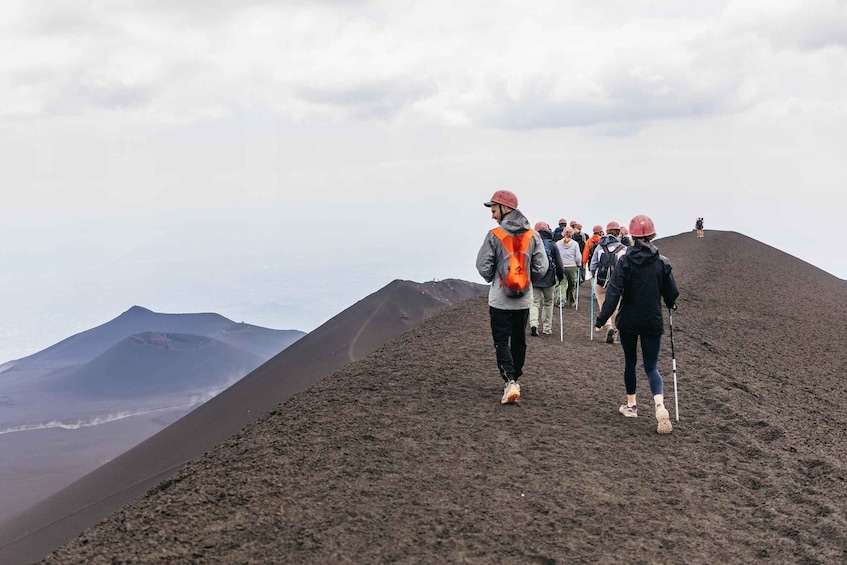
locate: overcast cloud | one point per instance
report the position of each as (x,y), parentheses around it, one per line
(192,155)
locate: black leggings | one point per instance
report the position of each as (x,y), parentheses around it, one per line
(650,346)
(508,327)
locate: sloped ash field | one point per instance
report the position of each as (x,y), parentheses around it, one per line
(407,456)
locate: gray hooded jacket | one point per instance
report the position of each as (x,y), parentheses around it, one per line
(492,252)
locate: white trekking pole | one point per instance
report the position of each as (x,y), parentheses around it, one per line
(591,321)
(561,324)
(673,357)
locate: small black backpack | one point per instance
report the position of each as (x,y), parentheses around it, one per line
(606,264)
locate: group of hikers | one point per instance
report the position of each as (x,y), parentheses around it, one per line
(531,267)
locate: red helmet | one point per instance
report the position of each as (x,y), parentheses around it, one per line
(573,223)
(624,231)
(613,226)
(562,221)
(598,228)
(505,198)
(541,225)
(641,226)
(567,232)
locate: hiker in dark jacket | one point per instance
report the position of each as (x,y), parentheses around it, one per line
(644,279)
(542,291)
(557,233)
(509,314)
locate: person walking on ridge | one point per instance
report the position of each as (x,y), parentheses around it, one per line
(511,257)
(698,225)
(590,244)
(571,260)
(609,243)
(542,291)
(557,233)
(642,279)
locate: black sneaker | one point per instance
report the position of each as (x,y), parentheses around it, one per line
(534,331)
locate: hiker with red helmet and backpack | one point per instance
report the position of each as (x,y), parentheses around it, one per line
(511,258)
(602,264)
(542,290)
(591,244)
(641,281)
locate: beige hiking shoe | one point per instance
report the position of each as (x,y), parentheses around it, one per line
(664,420)
(511,393)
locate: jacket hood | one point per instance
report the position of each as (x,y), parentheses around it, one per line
(641,253)
(515,222)
(608,239)
(545,234)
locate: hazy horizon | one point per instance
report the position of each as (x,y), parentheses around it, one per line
(277,163)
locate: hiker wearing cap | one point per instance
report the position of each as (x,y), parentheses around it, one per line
(512,256)
(641,281)
(557,233)
(571,260)
(602,266)
(590,244)
(542,290)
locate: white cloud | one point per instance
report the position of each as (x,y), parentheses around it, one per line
(553,64)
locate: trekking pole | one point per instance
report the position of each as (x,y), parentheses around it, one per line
(591,321)
(561,325)
(673,357)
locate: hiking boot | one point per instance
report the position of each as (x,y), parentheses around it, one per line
(610,335)
(629,411)
(534,331)
(664,420)
(511,393)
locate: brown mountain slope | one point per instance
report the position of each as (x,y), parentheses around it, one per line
(350,335)
(407,455)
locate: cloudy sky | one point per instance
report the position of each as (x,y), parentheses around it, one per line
(277,161)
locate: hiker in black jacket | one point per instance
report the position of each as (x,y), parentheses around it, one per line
(644,279)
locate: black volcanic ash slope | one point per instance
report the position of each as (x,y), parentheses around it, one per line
(349,336)
(408,456)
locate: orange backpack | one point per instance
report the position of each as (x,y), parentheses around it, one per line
(514,267)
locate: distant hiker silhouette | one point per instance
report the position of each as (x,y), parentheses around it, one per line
(698,226)
(511,258)
(643,278)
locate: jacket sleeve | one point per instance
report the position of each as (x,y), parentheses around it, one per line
(594,261)
(486,258)
(613,292)
(670,292)
(538,262)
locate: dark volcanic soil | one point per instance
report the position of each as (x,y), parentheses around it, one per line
(408,455)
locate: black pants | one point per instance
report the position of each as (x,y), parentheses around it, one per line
(508,327)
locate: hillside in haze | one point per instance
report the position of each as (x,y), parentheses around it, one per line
(407,455)
(346,338)
(72,407)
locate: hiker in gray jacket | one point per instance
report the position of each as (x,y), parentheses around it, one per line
(612,242)
(510,295)
(571,261)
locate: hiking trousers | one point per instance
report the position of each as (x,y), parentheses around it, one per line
(569,291)
(600,293)
(650,346)
(542,298)
(508,328)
